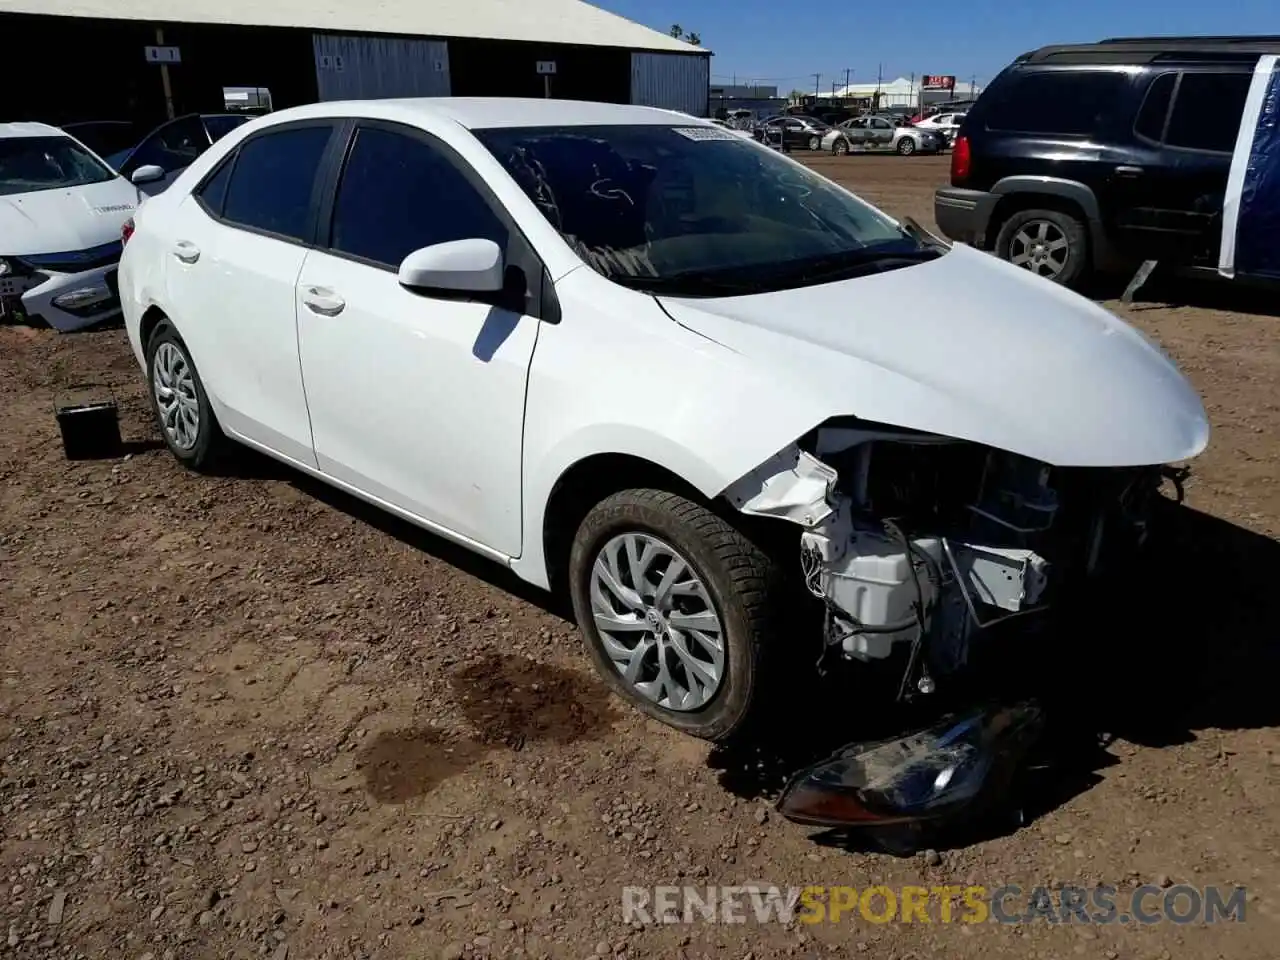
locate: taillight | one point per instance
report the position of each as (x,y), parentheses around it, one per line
(126,231)
(960,161)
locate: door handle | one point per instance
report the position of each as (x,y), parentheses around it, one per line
(323,301)
(186,251)
(1127,171)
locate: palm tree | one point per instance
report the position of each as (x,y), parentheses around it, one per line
(677,31)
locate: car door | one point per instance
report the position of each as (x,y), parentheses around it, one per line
(1167,190)
(172,147)
(417,399)
(238,244)
(796,133)
(881,131)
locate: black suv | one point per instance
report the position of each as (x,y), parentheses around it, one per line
(1100,156)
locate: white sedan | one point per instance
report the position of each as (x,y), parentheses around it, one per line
(640,359)
(61,208)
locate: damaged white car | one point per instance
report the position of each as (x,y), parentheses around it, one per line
(61,208)
(641,359)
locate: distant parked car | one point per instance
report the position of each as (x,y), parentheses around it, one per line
(61,210)
(797,131)
(174,145)
(946,124)
(881,133)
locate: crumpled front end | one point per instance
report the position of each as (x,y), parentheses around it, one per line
(921,544)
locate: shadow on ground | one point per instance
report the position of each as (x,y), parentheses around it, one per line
(247,464)
(1162,291)
(1187,644)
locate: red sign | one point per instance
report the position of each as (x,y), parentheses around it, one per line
(938,83)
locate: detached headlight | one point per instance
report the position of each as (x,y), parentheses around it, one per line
(926,775)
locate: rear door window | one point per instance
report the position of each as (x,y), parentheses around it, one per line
(1155,107)
(1206,113)
(273,179)
(1055,102)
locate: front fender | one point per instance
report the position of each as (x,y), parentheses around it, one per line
(619,376)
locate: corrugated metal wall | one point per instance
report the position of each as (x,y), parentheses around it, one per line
(366,68)
(673,81)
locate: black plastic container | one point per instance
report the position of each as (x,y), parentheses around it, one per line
(90,430)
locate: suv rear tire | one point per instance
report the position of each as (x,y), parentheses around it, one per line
(1033,240)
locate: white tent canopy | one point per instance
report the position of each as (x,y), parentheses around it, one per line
(904,90)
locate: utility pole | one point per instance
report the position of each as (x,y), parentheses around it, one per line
(817,83)
(879,80)
(847,74)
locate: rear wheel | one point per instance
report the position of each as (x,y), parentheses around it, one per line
(182,410)
(1049,243)
(675,606)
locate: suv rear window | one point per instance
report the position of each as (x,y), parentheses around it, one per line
(1207,110)
(1067,102)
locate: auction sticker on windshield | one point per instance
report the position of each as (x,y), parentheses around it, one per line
(706,133)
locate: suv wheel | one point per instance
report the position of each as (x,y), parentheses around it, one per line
(1049,243)
(674,604)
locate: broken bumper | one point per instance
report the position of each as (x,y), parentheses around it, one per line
(65,299)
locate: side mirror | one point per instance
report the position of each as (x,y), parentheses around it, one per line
(149,173)
(459,266)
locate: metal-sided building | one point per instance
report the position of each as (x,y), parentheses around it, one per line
(145,59)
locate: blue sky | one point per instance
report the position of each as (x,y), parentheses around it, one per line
(786,43)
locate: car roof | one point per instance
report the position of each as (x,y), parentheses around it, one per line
(1143,50)
(26,128)
(478,113)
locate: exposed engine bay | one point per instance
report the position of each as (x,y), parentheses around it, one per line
(927,541)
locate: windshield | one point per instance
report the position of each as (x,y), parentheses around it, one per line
(695,210)
(28,164)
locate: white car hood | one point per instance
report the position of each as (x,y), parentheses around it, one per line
(970,347)
(61,221)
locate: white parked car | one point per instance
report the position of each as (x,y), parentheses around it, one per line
(946,124)
(61,208)
(638,358)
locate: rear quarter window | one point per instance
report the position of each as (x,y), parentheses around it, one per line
(1053,102)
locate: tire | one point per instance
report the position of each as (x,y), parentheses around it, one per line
(906,146)
(1021,231)
(738,578)
(202,446)
(840,147)
(815,143)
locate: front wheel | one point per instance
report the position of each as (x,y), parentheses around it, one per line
(1049,243)
(906,146)
(815,143)
(675,606)
(840,147)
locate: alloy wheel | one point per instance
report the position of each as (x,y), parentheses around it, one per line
(1041,247)
(657,623)
(173,383)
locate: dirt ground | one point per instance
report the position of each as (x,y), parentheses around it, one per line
(247,716)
